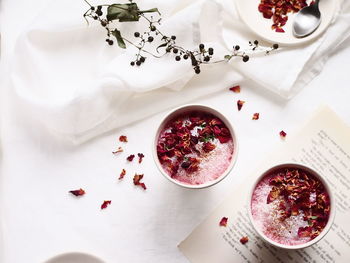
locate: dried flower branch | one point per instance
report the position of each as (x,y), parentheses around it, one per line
(109,16)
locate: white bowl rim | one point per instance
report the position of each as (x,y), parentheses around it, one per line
(328,189)
(208,109)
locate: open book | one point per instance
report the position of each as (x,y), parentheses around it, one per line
(324,145)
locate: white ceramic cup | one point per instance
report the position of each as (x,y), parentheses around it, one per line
(199,108)
(332,206)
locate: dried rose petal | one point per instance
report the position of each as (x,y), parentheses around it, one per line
(256,116)
(123,138)
(240,104)
(105,204)
(119,150)
(122,174)
(236,89)
(208,147)
(278,10)
(130,157)
(137,178)
(223,221)
(305,231)
(283,134)
(300,193)
(273,195)
(244,240)
(140,155)
(77,192)
(279,30)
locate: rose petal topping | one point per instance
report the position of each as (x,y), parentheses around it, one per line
(305,231)
(123,138)
(240,104)
(122,174)
(208,147)
(78,192)
(223,221)
(130,157)
(105,204)
(236,89)
(244,240)
(300,193)
(256,116)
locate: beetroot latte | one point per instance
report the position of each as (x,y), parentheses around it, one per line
(195,148)
(290,206)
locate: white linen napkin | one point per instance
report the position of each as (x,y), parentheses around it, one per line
(79,87)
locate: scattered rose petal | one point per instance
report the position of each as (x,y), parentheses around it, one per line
(137,178)
(279,30)
(119,150)
(223,221)
(256,116)
(123,138)
(236,89)
(105,204)
(122,174)
(77,192)
(130,157)
(240,104)
(244,240)
(283,134)
(140,155)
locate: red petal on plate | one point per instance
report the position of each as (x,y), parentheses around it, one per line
(105,204)
(244,240)
(256,116)
(236,89)
(279,30)
(78,192)
(123,138)
(223,221)
(240,104)
(122,174)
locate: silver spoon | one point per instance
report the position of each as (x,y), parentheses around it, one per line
(307,20)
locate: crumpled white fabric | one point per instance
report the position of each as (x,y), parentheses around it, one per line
(65,74)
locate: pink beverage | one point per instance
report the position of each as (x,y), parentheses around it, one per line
(290,206)
(195,147)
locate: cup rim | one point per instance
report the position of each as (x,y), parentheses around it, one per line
(199,107)
(328,189)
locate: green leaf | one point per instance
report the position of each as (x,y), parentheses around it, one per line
(162,45)
(123,12)
(118,36)
(152,10)
(228,57)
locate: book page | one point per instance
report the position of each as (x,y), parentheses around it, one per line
(324,145)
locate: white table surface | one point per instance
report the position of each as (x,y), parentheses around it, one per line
(38,169)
